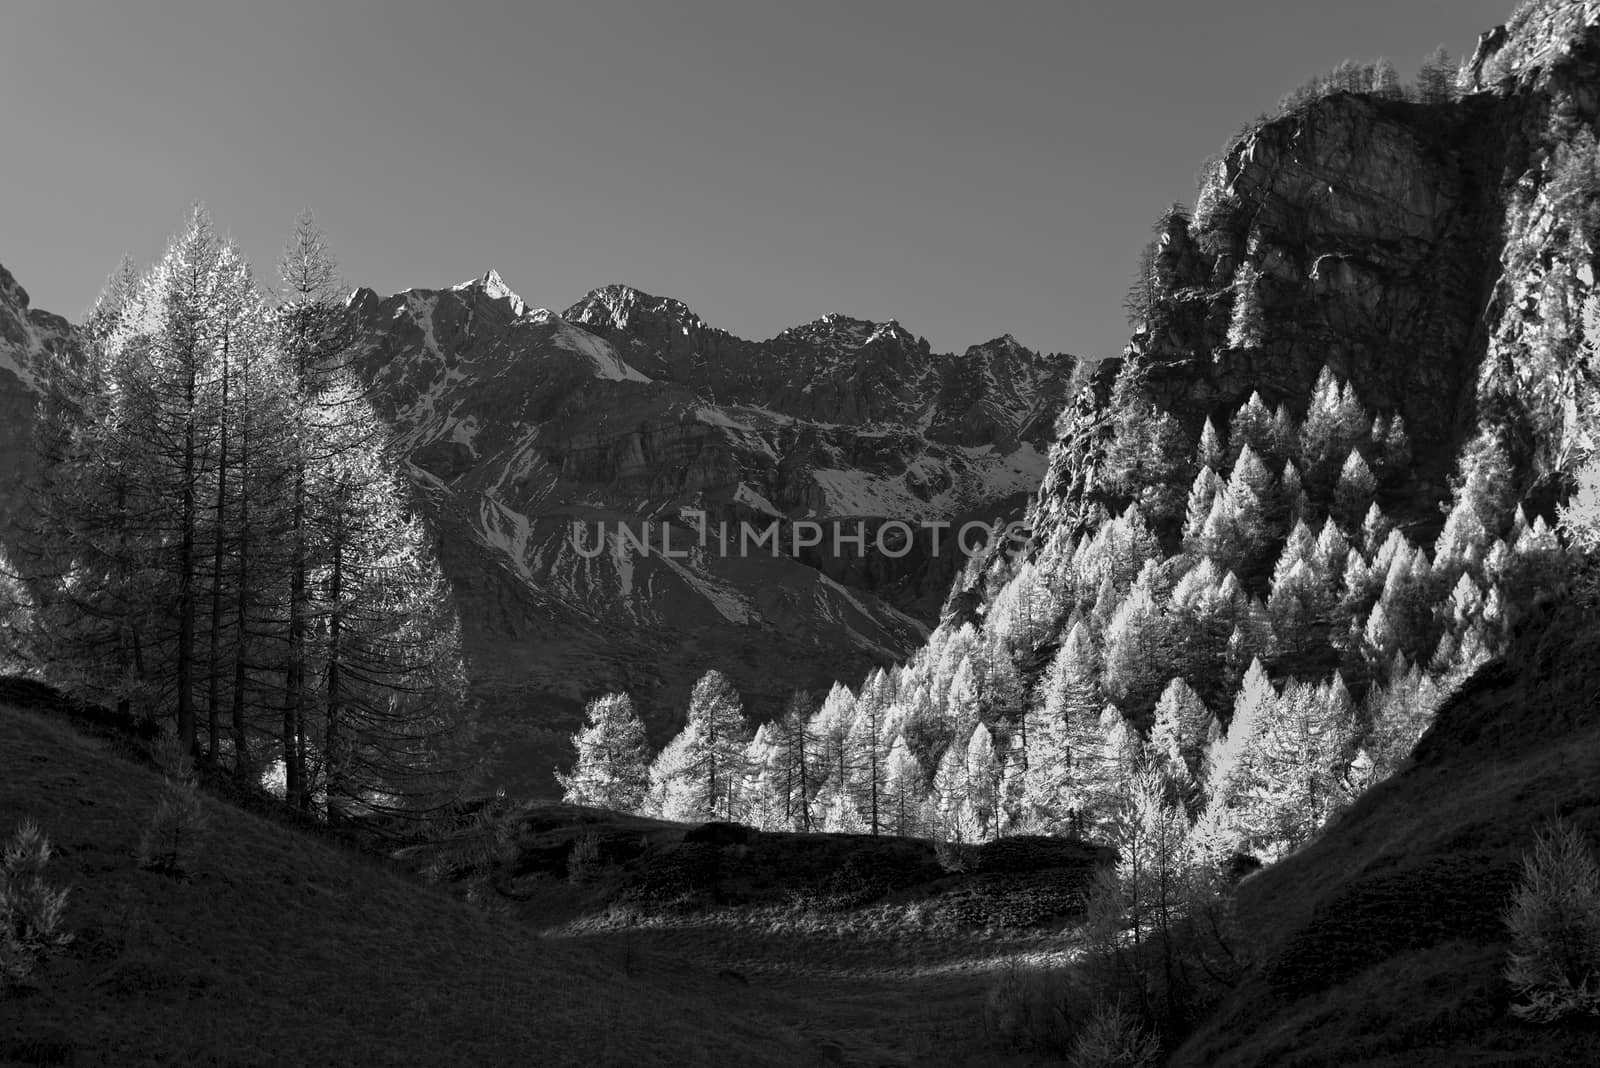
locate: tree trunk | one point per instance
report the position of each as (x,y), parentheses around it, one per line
(186,555)
(214,698)
(333,773)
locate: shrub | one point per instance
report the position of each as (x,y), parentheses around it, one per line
(1113,1038)
(179,821)
(1030,1009)
(584,860)
(1554,921)
(31,911)
(953,857)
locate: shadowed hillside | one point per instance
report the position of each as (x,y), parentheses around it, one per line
(282,949)
(1382,942)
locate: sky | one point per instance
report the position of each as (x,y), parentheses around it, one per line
(968,169)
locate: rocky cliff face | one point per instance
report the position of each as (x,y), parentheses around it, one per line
(528,433)
(840,370)
(25,333)
(1435,255)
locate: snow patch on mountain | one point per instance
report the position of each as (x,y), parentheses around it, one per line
(607,364)
(751,499)
(495,288)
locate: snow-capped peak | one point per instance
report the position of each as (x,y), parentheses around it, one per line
(619,306)
(494,287)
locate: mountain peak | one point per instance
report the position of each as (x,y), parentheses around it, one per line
(620,306)
(494,287)
(835,328)
(1004,344)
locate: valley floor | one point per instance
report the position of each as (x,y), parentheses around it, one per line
(279,948)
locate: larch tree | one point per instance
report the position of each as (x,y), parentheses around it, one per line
(1071,686)
(169,336)
(1182,725)
(313,336)
(796,762)
(1386,81)
(1047,781)
(903,790)
(1211,452)
(1352,494)
(871,734)
(1436,78)
(718,735)
(1251,425)
(981,793)
(1247,328)
(612,766)
(1300,760)
(83,541)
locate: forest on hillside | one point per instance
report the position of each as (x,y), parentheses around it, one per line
(216,539)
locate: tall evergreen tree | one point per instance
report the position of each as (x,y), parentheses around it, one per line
(612,769)
(714,752)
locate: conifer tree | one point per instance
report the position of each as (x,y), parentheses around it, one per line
(1247,329)
(872,733)
(1300,763)
(1386,81)
(1352,495)
(1046,788)
(982,790)
(1436,78)
(1335,424)
(1375,529)
(672,793)
(1181,726)
(945,810)
(1071,685)
(1202,496)
(831,727)
(1210,453)
(1252,426)
(717,734)
(903,790)
(1105,754)
(1138,652)
(796,762)
(612,769)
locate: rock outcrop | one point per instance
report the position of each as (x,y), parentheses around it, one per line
(25,333)
(1432,254)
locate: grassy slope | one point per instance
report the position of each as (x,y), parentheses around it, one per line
(282,949)
(1382,943)
(863,945)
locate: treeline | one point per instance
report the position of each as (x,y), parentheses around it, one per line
(217,539)
(1436,82)
(1286,656)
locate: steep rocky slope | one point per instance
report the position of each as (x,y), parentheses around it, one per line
(25,332)
(1435,255)
(529,433)
(1382,942)
(1441,257)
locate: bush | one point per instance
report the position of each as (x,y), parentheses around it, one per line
(31,910)
(583,862)
(1113,1038)
(953,857)
(179,821)
(1554,922)
(1034,1009)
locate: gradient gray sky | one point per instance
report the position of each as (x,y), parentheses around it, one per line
(967,169)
